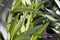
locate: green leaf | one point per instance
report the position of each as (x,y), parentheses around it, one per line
(28,10)
(39,31)
(15,4)
(13,24)
(26,1)
(51,18)
(29,32)
(9,20)
(17,26)
(52,13)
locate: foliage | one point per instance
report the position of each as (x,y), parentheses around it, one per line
(28,19)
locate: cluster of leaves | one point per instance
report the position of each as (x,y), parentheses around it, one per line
(28,19)
(24,20)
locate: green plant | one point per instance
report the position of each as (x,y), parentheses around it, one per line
(27,21)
